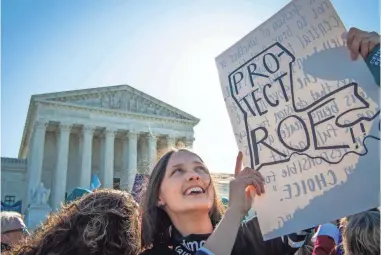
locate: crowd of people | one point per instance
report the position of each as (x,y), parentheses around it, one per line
(181,213)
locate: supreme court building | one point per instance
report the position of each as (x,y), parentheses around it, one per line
(114,132)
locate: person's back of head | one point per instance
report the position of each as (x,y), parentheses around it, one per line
(13,229)
(103,222)
(361,233)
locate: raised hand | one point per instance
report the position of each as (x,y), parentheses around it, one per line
(243,188)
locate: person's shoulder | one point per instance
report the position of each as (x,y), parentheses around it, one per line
(157,250)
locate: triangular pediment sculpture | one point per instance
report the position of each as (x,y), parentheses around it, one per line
(120,98)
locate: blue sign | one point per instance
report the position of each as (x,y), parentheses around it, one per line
(95,183)
(16,207)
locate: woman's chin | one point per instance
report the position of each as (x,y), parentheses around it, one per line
(196,204)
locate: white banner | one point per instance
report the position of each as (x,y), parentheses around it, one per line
(306,116)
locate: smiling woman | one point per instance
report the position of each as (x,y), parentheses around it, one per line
(179,193)
(181,209)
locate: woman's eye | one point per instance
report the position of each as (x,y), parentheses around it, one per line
(201,168)
(177,170)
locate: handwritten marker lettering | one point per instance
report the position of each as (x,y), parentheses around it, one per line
(362,129)
(256,98)
(353,137)
(305,115)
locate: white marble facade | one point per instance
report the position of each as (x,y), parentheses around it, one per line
(114,132)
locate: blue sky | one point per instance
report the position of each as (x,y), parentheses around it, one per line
(165,48)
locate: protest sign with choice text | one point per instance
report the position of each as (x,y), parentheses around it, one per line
(306,116)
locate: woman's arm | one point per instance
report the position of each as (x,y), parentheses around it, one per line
(241,190)
(224,236)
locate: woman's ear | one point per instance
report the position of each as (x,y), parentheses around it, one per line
(160,203)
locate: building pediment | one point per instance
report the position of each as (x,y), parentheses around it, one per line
(121,100)
(118,98)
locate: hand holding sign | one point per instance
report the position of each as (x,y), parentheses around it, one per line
(305,115)
(361,42)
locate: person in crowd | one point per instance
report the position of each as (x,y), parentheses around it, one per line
(326,239)
(181,210)
(104,222)
(13,230)
(361,233)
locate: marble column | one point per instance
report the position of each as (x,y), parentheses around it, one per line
(189,143)
(132,159)
(124,173)
(87,144)
(152,152)
(102,159)
(60,174)
(171,140)
(108,174)
(36,156)
(143,153)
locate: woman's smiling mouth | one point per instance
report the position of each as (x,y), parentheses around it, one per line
(195,190)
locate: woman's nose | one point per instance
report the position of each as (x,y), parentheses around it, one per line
(193,176)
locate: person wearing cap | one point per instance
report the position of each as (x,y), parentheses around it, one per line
(13,230)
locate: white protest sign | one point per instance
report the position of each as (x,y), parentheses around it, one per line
(306,116)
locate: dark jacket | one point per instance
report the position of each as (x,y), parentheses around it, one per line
(249,241)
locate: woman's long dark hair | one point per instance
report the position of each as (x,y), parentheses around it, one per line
(155,221)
